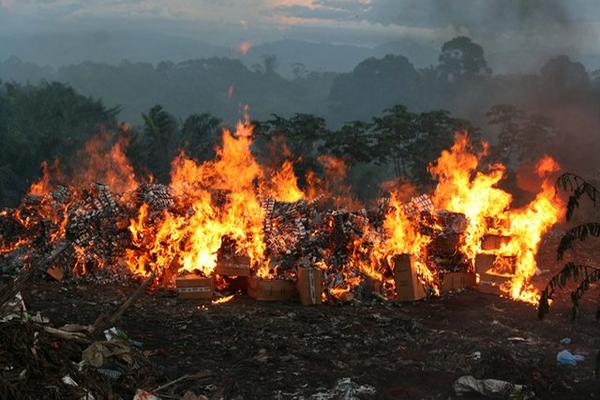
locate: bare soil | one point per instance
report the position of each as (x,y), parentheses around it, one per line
(285,351)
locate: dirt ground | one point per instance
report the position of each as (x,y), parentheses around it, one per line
(260,350)
(256,350)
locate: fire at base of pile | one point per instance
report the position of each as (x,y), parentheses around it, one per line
(215,230)
(313,252)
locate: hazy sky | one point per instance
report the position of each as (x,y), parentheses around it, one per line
(560,24)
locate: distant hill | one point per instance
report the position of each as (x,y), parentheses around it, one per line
(58,49)
(337,57)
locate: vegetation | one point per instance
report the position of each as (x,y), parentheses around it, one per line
(584,276)
(386,118)
(45,122)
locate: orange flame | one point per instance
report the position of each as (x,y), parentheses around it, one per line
(223,300)
(244,47)
(461,188)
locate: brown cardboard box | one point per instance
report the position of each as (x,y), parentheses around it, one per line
(489,282)
(310,285)
(192,286)
(457,280)
(271,290)
(494,242)
(503,266)
(235,266)
(408,286)
(56,272)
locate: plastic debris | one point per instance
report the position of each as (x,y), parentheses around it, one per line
(565,357)
(346,389)
(566,340)
(492,388)
(99,353)
(115,332)
(110,373)
(69,381)
(143,395)
(14,309)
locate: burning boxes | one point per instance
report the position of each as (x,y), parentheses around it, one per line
(233,266)
(271,290)
(457,280)
(494,242)
(310,285)
(56,272)
(408,285)
(194,286)
(493,271)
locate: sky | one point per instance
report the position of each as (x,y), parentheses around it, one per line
(547,25)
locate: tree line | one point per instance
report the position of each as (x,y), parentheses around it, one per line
(51,121)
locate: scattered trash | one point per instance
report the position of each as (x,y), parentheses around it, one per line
(475,356)
(192,396)
(143,395)
(13,309)
(99,353)
(346,389)
(565,357)
(566,340)
(69,381)
(110,373)
(114,332)
(492,388)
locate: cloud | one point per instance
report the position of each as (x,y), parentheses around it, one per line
(7,4)
(494,23)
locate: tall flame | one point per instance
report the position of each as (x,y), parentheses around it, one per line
(222,199)
(462,188)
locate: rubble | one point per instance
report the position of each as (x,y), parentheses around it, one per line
(492,388)
(94,224)
(40,361)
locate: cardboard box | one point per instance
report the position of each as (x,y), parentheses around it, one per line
(235,266)
(457,280)
(489,282)
(192,286)
(310,285)
(56,272)
(491,267)
(271,290)
(494,242)
(408,286)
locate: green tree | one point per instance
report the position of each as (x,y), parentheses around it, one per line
(355,142)
(45,122)
(159,141)
(462,59)
(199,134)
(395,133)
(521,135)
(411,141)
(375,85)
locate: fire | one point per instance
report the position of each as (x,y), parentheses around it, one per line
(244,47)
(333,185)
(222,300)
(42,186)
(222,197)
(220,205)
(106,163)
(462,188)
(283,186)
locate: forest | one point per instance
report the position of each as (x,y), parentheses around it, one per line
(387,119)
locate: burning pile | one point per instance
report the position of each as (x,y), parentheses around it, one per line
(231,217)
